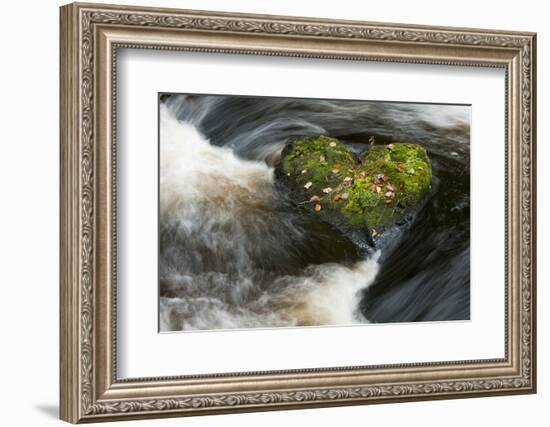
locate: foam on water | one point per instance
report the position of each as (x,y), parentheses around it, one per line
(219,218)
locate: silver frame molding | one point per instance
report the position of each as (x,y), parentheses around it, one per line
(90,37)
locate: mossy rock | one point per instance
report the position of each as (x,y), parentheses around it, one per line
(369,191)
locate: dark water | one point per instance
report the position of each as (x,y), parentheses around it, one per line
(422,268)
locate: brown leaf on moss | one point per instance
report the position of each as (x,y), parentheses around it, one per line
(317,208)
(314,198)
(378,178)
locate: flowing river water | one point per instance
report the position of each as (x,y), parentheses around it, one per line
(235,252)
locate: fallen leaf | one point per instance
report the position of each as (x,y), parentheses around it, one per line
(327,190)
(390,146)
(347,180)
(337,166)
(388,201)
(317,208)
(375,188)
(401,166)
(314,198)
(411,171)
(337,197)
(288,174)
(378,178)
(401,184)
(389,194)
(389,187)
(332,144)
(321,158)
(304,171)
(345,196)
(308,184)
(362,174)
(335,171)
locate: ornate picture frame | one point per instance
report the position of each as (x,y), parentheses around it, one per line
(90,37)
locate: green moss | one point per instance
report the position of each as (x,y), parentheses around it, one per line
(371,191)
(361,199)
(315,160)
(406,165)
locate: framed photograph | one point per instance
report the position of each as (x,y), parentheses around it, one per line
(267,212)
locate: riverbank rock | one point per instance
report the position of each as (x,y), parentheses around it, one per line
(370,191)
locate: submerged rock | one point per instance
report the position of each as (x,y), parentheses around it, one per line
(370,191)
